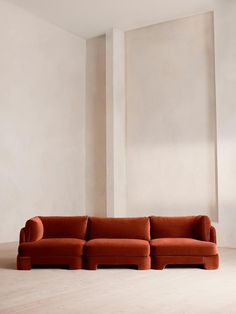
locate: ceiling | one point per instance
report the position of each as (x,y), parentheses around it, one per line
(89,18)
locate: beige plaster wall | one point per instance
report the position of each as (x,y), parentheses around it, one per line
(42,125)
(171,118)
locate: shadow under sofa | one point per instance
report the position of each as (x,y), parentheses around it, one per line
(87,242)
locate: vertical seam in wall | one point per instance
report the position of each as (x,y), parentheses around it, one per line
(109,153)
(84,131)
(126,121)
(215,126)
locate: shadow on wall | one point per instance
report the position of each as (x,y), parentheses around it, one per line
(171,119)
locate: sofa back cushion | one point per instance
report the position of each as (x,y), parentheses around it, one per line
(126,228)
(196,227)
(64,226)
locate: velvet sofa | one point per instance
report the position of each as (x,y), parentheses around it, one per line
(183,240)
(52,241)
(87,242)
(118,241)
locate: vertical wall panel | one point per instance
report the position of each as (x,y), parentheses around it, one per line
(171,118)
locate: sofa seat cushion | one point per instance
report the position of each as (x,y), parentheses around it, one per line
(117,247)
(182,247)
(52,247)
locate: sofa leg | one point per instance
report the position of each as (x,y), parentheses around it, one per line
(211,262)
(91,265)
(73,267)
(76,264)
(143,267)
(158,264)
(145,264)
(23,263)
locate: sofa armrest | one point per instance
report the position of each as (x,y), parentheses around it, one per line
(22,236)
(33,230)
(202,228)
(213,234)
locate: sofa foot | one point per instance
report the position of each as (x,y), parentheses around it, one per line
(144,265)
(74,266)
(211,262)
(208,262)
(71,267)
(23,263)
(75,263)
(90,265)
(158,265)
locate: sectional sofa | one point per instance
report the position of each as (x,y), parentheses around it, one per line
(147,242)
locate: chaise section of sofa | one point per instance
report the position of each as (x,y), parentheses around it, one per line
(118,241)
(183,240)
(52,241)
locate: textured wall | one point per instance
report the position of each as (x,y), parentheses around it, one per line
(42,94)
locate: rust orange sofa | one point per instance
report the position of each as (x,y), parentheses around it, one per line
(117,241)
(87,242)
(52,241)
(183,240)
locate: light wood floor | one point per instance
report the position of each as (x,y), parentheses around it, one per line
(173,290)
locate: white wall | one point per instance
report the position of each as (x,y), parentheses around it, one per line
(225,52)
(42,95)
(96,127)
(171,118)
